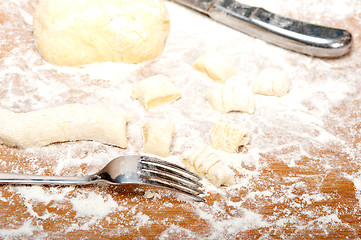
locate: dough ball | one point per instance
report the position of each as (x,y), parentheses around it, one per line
(271,82)
(77,32)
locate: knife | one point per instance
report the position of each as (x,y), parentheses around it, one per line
(298,36)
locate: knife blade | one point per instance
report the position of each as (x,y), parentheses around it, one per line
(291,34)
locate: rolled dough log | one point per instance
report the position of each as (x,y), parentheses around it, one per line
(60,124)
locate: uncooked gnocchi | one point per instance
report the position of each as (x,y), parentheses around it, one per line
(271,82)
(157,136)
(205,162)
(61,124)
(155,91)
(228,137)
(227,98)
(216,66)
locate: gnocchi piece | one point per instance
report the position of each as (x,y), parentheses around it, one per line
(205,162)
(216,66)
(155,91)
(228,137)
(227,98)
(271,82)
(157,136)
(69,122)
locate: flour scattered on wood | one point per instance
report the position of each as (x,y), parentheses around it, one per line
(309,132)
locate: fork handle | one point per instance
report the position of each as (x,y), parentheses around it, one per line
(23,179)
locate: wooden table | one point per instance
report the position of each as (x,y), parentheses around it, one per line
(298,178)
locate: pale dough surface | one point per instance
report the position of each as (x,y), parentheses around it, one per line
(77,32)
(228,136)
(229,98)
(60,124)
(157,136)
(299,177)
(271,82)
(215,65)
(155,91)
(204,161)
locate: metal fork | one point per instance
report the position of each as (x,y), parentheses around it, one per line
(132,169)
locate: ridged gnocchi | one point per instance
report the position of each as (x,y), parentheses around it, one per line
(157,136)
(229,98)
(216,66)
(205,162)
(155,91)
(228,137)
(271,82)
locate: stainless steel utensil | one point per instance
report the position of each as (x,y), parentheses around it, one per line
(131,169)
(302,37)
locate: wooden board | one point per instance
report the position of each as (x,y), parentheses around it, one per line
(298,178)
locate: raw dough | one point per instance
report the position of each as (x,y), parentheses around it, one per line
(216,66)
(229,98)
(205,162)
(77,32)
(157,136)
(228,136)
(60,124)
(271,82)
(155,91)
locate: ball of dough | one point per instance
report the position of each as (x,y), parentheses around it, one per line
(77,32)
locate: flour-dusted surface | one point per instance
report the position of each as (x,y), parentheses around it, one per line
(298,177)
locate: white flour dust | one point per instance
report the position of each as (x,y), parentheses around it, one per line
(312,133)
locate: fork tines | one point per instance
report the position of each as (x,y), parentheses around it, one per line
(165,174)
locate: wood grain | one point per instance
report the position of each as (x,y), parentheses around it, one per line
(313,197)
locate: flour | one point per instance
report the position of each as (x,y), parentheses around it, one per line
(88,205)
(311,133)
(26,230)
(227,228)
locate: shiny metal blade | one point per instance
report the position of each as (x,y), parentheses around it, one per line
(199,5)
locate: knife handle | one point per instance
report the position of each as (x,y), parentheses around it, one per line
(302,37)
